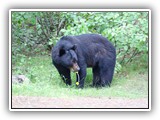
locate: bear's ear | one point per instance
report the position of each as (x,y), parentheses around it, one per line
(74,47)
(61,52)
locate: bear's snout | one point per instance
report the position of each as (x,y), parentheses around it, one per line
(75,68)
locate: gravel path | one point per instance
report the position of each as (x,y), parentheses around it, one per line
(77,102)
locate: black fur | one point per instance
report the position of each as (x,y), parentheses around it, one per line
(87,50)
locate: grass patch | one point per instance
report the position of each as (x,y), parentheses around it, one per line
(132,82)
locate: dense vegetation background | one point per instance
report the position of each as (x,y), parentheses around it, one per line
(35,33)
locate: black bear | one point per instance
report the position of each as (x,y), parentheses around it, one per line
(76,53)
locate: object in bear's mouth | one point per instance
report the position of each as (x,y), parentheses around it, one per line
(75,68)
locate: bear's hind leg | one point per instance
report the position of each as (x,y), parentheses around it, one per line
(106,76)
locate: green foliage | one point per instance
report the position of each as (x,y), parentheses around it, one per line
(45,81)
(36,32)
(131,82)
(128,31)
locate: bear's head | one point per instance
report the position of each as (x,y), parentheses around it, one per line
(68,58)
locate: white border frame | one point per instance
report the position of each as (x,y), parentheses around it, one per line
(74,109)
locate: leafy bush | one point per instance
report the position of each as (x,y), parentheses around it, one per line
(128,31)
(36,32)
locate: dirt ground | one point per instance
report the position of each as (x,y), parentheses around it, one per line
(77,102)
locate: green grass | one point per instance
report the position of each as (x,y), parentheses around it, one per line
(132,82)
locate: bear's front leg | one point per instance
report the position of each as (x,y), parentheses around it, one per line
(82,76)
(66,79)
(65,75)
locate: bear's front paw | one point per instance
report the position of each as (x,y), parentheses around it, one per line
(79,86)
